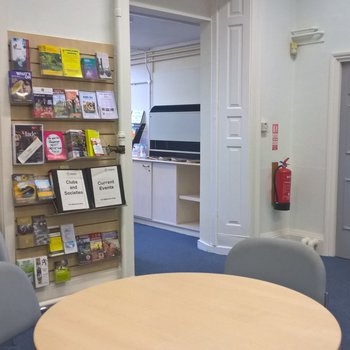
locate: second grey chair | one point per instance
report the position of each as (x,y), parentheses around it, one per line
(19,307)
(281,261)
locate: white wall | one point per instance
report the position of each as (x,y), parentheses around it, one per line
(140,87)
(295,94)
(173,82)
(85,20)
(311,108)
(277,18)
(176,81)
(200,8)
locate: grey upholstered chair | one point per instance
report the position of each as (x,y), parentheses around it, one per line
(19,307)
(281,261)
(4,256)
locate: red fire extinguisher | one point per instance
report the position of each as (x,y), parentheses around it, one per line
(282,185)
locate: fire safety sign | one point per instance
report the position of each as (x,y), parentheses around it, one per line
(274,137)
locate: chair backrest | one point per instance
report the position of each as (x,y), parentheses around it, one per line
(4,256)
(281,261)
(19,307)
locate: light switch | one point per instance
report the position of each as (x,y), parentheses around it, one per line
(264,127)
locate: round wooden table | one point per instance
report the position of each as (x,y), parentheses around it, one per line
(187,311)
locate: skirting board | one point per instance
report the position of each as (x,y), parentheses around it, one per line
(212,249)
(287,233)
(173,228)
(298,235)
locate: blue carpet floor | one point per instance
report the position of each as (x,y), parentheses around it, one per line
(159,251)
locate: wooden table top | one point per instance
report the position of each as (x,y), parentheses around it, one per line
(187,311)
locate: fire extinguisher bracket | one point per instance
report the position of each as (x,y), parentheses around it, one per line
(281,185)
(281,206)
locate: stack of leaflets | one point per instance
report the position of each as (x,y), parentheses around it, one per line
(110,243)
(89,104)
(73,104)
(50,60)
(41,231)
(44,188)
(41,271)
(55,241)
(84,249)
(71,63)
(25,236)
(76,143)
(89,68)
(23,188)
(103,68)
(96,247)
(27,144)
(20,87)
(59,103)
(43,102)
(27,266)
(19,54)
(62,271)
(54,146)
(69,240)
(106,104)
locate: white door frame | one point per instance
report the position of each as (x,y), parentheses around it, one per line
(334,97)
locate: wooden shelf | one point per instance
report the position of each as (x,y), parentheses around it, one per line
(190,197)
(69,120)
(42,202)
(66,78)
(190,225)
(78,159)
(84,211)
(89,158)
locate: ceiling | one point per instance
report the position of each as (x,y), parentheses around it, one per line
(150,32)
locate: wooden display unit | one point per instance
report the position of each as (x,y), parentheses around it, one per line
(85,221)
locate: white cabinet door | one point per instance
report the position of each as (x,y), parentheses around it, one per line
(164,193)
(142,179)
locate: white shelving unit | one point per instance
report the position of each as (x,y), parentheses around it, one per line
(167,193)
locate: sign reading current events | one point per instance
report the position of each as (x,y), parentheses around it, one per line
(106,186)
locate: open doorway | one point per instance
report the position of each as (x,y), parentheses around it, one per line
(164,64)
(165,71)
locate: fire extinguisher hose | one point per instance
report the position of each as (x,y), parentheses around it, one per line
(274,183)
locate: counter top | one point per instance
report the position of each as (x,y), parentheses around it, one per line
(167,160)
